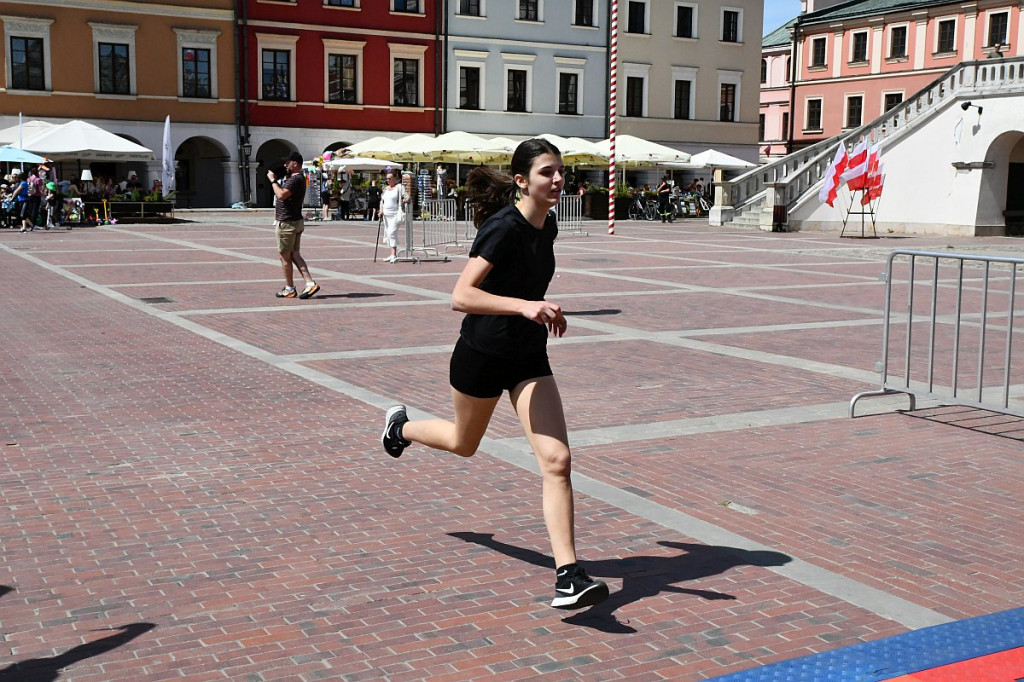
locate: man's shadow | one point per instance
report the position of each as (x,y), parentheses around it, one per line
(642,576)
(48,669)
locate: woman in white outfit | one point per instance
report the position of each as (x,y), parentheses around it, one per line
(393,200)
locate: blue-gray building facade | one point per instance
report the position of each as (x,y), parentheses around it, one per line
(524,68)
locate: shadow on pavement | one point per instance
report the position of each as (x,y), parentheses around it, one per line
(355,294)
(642,576)
(601,311)
(4,589)
(48,669)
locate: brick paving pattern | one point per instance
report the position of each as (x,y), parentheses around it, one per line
(194,489)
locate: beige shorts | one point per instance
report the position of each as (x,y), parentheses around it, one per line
(289,235)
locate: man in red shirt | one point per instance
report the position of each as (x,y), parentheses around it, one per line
(289,193)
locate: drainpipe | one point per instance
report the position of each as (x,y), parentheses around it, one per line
(239,139)
(444,68)
(793,65)
(438,74)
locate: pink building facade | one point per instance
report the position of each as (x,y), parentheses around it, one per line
(855,61)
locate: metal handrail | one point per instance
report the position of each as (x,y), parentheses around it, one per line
(984,322)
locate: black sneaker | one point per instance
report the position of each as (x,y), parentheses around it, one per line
(392,442)
(574,589)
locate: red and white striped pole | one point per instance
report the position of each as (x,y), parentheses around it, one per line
(613,60)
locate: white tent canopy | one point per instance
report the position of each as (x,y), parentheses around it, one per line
(711,158)
(86,142)
(26,130)
(355,164)
(636,152)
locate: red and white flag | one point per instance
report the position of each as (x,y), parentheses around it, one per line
(857,170)
(873,187)
(830,187)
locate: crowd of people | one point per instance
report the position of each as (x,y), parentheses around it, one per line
(32,198)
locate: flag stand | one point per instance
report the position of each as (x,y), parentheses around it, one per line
(869,212)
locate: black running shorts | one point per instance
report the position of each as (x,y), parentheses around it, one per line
(485,376)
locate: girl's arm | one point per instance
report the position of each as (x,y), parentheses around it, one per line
(468,297)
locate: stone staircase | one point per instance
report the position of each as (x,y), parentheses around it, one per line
(764,196)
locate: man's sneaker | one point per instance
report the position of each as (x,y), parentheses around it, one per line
(574,589)
(287,292)
(310,289)
(391,440)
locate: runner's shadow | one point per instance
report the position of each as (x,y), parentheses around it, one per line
(4,589)
(48,669)
(643,576)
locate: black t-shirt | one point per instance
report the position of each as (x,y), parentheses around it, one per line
(523,260)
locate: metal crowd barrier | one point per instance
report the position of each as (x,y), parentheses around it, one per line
(570,215)
(951,363)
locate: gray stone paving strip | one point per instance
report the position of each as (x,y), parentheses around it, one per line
(876,601)
(512,451)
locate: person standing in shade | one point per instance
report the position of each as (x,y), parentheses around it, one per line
(393,201)
(344,198)
(503,346)
(372,200)
(289,192)
(664,195)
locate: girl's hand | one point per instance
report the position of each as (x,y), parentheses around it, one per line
(546,313)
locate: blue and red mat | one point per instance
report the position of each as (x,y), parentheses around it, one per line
(983,649)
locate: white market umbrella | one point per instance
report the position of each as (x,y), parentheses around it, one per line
(636,152)
(13,134)
(576,151)
(711,159)
(84,141)
(455,147)
(355,164)
(375,147)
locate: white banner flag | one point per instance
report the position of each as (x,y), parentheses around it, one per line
(167,171)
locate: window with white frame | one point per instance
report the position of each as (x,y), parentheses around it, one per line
(637,15)
(854,111)
(407,73)
(344,71)
(27,43)
(898,42)
(470,86)
(684,87)
(584,13)
(471,65)
(812,114)
(636,78)
(685,20)
(997,28)
(530,10)
(764,71)
(818,52)
(114,58)
(945,35)
(570,85)
(859,47)
(891,100)
(729,95)
(732,25)
(342,3)
(406,6)
(471,8)
(277,66)
(197,63)
(517,88)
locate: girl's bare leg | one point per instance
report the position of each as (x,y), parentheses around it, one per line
(472,415)
(539,406)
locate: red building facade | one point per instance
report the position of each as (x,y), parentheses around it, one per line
(312,66)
